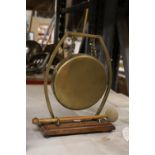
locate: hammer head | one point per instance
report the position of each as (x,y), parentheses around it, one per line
(112,114)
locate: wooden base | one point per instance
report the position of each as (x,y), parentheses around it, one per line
(75,128)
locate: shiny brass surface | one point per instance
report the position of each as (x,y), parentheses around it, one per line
(79,82)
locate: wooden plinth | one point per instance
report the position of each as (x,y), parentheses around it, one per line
(75,128)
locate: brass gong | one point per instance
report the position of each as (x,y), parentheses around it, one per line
(79,81)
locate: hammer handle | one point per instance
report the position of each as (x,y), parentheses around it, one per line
(66,119)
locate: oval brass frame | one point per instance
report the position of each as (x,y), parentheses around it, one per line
(107,58)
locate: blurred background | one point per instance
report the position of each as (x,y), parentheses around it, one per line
(48,20)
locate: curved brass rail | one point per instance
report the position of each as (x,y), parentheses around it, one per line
(106,54)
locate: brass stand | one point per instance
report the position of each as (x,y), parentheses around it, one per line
(71,78)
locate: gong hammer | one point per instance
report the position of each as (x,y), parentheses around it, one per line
(110,115)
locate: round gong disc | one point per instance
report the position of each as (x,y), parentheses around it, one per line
(79,82)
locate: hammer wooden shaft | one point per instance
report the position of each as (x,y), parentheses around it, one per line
(65,119)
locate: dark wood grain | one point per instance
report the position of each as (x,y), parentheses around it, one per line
(75,128)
